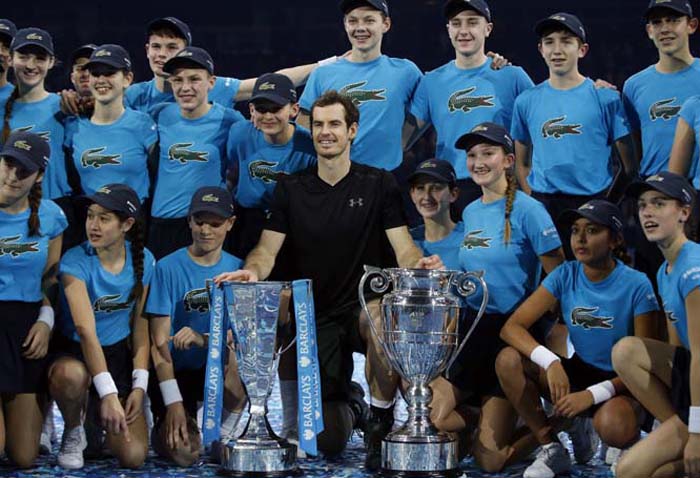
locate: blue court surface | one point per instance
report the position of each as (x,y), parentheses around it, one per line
(350,465)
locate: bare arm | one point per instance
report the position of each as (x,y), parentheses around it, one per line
(413,129)
(645,325)
(551,260)
(523,165)
(304,119)
(159,327)
(516,332)
(140,336)
(692,307)
(259,262)
(625,150)
(683,147)
(673,337)
(406,251)
(298,75)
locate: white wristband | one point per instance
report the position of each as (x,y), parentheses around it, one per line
(543,357)
(694,420)
(139,379)
(328,61)
(46,316)
(602,391)
(104,384)
(170,391)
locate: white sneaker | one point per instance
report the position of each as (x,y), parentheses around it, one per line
(48,431)
(612,455)
(552,460)
(584,439)
(70,456)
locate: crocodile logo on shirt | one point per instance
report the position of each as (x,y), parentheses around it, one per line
(583,317)
(9,245)
(671,316)
(92,157)
(362,96)
(460,100)
(556,130)
(43,134)
(109,304)
(664,110)
(179,152)
(472,241)
(263,171)
(196,300)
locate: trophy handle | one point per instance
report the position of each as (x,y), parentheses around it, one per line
(379,284)
(465,288)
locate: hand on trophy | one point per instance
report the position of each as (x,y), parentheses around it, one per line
(113,416)
(241,275)
(558,382)
(185,338)
(431,262)
(176,434)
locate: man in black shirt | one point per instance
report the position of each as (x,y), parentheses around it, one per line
(337,216)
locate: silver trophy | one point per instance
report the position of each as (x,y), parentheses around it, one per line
(419,334)
(254,315)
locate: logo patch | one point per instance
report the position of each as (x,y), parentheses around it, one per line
(22,145)
(9,245)
(554,129)
(664,110)
(196,300)
(670,316)
(210,198)
(34,36)
(93,157)
(180,152)
(103,53)
(359,96)
(110,303)
(262,170)
(472,241)
(359,202)
(583,317)
(460,100)
(44,134)
(267,86)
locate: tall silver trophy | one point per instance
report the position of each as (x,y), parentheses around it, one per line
(419,335)
(254,315)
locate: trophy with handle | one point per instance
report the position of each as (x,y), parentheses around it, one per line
(420,336)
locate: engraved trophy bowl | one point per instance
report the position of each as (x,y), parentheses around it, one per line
(254,316)
(419,334)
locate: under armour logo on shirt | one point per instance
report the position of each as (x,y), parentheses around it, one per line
(356,202)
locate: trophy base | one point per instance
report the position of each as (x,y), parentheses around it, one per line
(241,458)
(414,459)
(421,474)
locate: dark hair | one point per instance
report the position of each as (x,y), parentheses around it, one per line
(511,189)
(620,251)
(332,97)
(34,202)
(8,114)
(136,236)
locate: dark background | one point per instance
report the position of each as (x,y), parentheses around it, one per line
(247,38)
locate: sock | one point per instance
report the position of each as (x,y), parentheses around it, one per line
(290,406)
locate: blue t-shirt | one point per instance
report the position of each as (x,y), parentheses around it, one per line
(511,271)
(113,153)
(690,112)
(447,248)
(260,163)
(571,133)
(598,314)
(382,90)
(653,102)
(44,117)
(179,292)
(674,287)
(108,293)
(5,92)
(144,96)
(455,100)
(23,257)
(192,155)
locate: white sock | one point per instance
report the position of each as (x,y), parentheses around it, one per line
(290,408)
(375,402)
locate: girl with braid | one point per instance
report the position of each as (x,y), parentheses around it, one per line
(510,237)
(102,338)
(30,246)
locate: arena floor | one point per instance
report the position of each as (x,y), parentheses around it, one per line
(350,466)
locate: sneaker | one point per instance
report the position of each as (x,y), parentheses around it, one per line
(359,406)
(552,460)
(48,430)
(379,424)
(612,455)
(70,456)
(613,465)
(584,439)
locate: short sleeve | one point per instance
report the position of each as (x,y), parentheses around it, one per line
(689,110)
(311,90)
(75,263)
(539,229)
(278,217)
(149,264)
(554,281)
(644,299)
(523,82)
(70,129)
(150,132)
(420,104)
(689,279)
(518,126)
(225,91)
(392,207)
(630,110)
(617,118)
(159,301)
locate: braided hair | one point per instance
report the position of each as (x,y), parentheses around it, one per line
(510,199)
(136,238)
(8,114)
(34,202)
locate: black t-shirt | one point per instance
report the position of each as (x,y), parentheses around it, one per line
(333,231)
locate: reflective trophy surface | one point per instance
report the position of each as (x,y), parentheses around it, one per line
(254,316)
(420,337)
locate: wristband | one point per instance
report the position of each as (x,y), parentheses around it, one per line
(139,379)
(543,357)
(602,391)
(694,420)
(328,61)
(46,315)
(170,391)
(104,384)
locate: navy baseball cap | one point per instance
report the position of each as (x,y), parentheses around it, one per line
(671,184)
(276,88)
(566,20)
(83,51)
(29,149)
(171,23)
(679,6)
(348,5)
(33,37)
(453,7)
(116,198)
(110,55)
(190,57)
(597,210)
(437,169)
(212,199)
(488,132)
(7,28)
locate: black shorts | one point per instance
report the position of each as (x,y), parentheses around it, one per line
(338,336)
(18,374)
(168,235)
(680,383)
(191,385)
(118,357)
(582,375)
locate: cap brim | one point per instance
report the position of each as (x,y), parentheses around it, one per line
(543,25)
(107,61)
(27,163)
(454,8)
(183,62)
(82,52)
(33,43)
(106,202)
(276,99)
(170,25)
(466,141)
(664,7)
(217,212)
(432,174)
(569,216)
